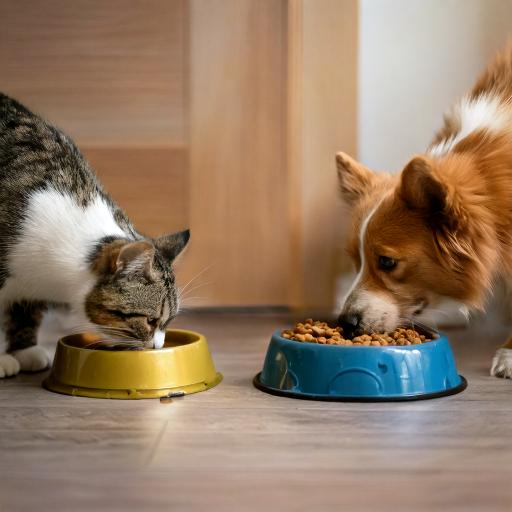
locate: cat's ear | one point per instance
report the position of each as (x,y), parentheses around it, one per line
(122,258)
(170,246)
(135,258)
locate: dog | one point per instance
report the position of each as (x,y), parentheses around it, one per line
(442,228)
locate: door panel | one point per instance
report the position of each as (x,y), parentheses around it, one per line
(218,115)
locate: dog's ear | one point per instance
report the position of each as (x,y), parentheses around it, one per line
(450,200)
(421,189)
(441,202)
(355,179)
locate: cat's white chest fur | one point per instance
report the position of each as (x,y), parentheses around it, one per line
(48,261)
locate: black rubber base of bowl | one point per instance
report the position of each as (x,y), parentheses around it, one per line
(329,398)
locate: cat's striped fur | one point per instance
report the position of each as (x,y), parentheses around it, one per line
(64,241)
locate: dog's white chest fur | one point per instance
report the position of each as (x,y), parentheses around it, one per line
(49,259)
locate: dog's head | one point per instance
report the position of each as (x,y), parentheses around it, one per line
(416,237)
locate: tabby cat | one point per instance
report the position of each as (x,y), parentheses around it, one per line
(63,241)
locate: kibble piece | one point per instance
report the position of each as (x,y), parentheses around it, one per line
(315,331)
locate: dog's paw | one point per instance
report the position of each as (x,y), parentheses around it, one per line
(32,359)
(9,366)
(502,363)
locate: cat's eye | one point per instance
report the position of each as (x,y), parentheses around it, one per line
(387,264)
(152,321)
(123,315)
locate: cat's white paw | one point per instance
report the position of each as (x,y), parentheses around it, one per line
(32,359)
(9,366)
(502,363)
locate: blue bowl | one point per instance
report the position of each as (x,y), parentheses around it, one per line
(359,373)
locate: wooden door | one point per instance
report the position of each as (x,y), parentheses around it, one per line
(218,115)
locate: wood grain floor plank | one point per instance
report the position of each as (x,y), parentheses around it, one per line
(234,448)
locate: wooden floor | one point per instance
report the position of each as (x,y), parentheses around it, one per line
(234,448)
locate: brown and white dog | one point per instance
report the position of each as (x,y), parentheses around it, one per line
(442,228)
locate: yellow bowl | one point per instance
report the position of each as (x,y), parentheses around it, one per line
(183,366)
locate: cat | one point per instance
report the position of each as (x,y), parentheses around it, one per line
(63,241)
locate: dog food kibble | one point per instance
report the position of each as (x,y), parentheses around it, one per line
(320,332)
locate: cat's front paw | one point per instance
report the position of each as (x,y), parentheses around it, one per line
(9,366)
(32,359)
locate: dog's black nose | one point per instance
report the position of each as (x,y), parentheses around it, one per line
(351,324)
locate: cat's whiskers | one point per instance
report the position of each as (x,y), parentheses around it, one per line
(414,324)
(194,288)
(84,327)
(112,334)
(197,297)
(182,289)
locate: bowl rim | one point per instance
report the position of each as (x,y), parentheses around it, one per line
(200,337)
(441,337)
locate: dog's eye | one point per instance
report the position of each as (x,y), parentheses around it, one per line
(386,263)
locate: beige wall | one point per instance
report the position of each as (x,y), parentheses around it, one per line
(416,57)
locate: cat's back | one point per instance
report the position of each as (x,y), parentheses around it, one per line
(22,131)
(41,170)
(34,154)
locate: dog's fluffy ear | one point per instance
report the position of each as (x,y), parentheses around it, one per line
(451,201)
(446,204)
(355,179)
(421,189)
(434,194)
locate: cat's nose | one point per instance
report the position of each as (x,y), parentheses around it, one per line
(350,323)
(158,339)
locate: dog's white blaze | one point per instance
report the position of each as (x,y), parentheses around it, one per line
(486,112)
(375,310)
(49,259)
(362,233)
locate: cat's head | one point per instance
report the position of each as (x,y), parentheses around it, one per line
(135,295)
